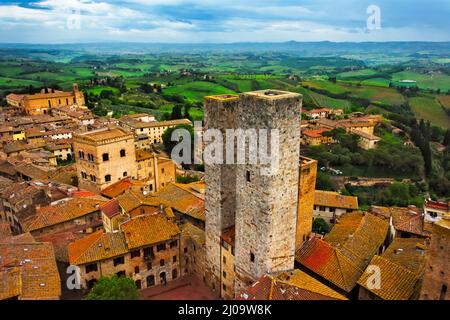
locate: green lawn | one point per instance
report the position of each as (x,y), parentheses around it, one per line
(428,108)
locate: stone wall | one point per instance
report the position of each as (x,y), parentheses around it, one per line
(437,277)
(306,193)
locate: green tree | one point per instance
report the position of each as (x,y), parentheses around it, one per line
(323,182)
(114,288)
(320,226)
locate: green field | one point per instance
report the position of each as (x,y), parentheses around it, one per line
(432,80)
(428,108)
(378,82)
(356,74)
(197,90)
(98,89)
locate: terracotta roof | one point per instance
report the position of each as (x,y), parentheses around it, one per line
(10,286)
(295,285)
(37,270)
(406,219)
(118,188)
(438,205)
(315,133)
(183,199)
(195,233)
(62,211)
(397,283)
(346,251)
(148,229)
(5,229)
(97,246)
(104,134)
(335,200)
(111,208)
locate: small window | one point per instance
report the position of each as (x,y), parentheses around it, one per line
(125,173)
(252,257)
(149,266)
(138,284)
(174,244)
(224,259)
(108,178)
(248,176)
(174,259)
(105,156)
(162,262)
(224,287)
(174,274)
(135,253)
(118,261)
(91,267)
(224,274)
(185,250)
(136,270)
(121,273)
(161,247)
(162,170)
(122,153)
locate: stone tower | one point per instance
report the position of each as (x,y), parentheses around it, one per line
(262,207)
(437,278)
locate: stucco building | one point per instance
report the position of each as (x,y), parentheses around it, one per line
(103,157)
(46,100)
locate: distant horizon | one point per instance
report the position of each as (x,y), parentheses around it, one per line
(219,43)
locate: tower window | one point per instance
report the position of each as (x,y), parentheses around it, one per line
(248,176)
(107,178)
(443,292)
(252,257)
(105,157)
(122,153)
(125,173)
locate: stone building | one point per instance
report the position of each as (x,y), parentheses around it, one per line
(306,191)
(147,131)
(330,205)
(263,208)
(46,100)
(103,157)
(146,249)
(437,277)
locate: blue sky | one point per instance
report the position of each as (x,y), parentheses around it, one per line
(69,21)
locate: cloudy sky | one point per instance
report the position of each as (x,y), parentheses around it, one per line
(194,21)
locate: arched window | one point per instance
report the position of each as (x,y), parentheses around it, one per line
(150,280)
(122,153)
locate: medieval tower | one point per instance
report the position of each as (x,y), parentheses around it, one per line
(260,207)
